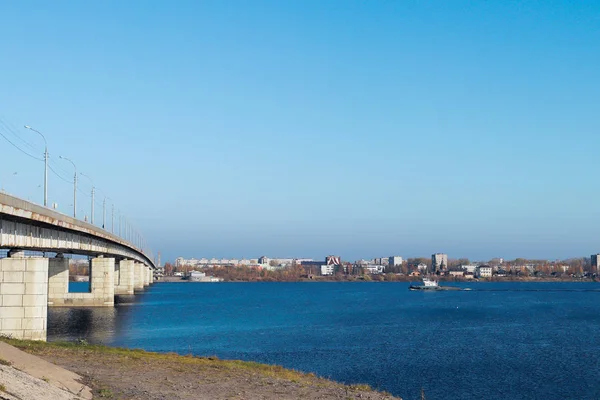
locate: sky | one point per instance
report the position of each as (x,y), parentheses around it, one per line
(307,128)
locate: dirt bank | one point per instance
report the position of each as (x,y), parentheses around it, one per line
(115,373)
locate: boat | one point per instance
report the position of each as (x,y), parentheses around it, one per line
(430,284)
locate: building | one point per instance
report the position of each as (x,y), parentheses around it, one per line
(457,273)
(301,261)
(374,269)
(439,262)
(327,269)
(469,268)
(263,260)
(196,276)
(333,260)
(395,261)
(381,261)
(484,271)
(595,262)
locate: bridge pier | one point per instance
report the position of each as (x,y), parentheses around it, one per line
(103,281)
(102,286)
(146,277)
(58,280)
(124,277)
(138,283)
(23,296)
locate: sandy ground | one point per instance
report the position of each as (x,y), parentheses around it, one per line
(135,374)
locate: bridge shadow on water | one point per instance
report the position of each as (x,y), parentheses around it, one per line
(94,324)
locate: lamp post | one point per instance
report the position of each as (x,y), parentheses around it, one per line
(93,189)
(45,164)
(104,208)
(74,186)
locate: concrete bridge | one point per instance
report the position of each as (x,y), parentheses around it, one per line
(29,285)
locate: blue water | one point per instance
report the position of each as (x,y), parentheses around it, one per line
(79,287)
(498,341)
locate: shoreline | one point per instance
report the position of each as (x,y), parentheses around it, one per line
(119,373)
(404,280)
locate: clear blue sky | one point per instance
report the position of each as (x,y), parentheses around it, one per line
(307,128)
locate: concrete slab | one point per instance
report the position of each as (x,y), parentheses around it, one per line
(42,369)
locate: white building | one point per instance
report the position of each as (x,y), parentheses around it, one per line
(327,269)
(374,269)
(439,261)
(197,276)
(395,261)
(284,262)
(595,260)
(484,271)
(299,261)
(469,268)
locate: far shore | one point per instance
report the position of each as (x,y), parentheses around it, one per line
(404,279)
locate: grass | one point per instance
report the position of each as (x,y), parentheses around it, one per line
(180,362)
(5,362)
(212,366)
(2,388)
(361,387)
(105,393)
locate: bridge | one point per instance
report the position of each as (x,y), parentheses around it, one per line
(31,284)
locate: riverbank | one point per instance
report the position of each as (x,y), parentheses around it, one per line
(395,278)
(116,373)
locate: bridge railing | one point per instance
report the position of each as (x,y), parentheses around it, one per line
(18,208)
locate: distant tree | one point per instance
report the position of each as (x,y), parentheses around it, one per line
(168,268)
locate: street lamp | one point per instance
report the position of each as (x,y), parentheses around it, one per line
(104,208)
(93,188)
(74,186)
(45,164)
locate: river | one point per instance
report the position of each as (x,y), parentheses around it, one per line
(497,341)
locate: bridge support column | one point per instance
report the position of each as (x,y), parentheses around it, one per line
(23,296)
(138,283)
(117,275)
(146,276)
(58,280)
(103,281)
(150,275)
(126,275)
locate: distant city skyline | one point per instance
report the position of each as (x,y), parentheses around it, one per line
(303,129)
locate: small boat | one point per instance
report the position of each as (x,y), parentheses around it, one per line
(430,284)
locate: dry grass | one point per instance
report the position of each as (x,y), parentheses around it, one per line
(5,362)
(116,373)
(177,361)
